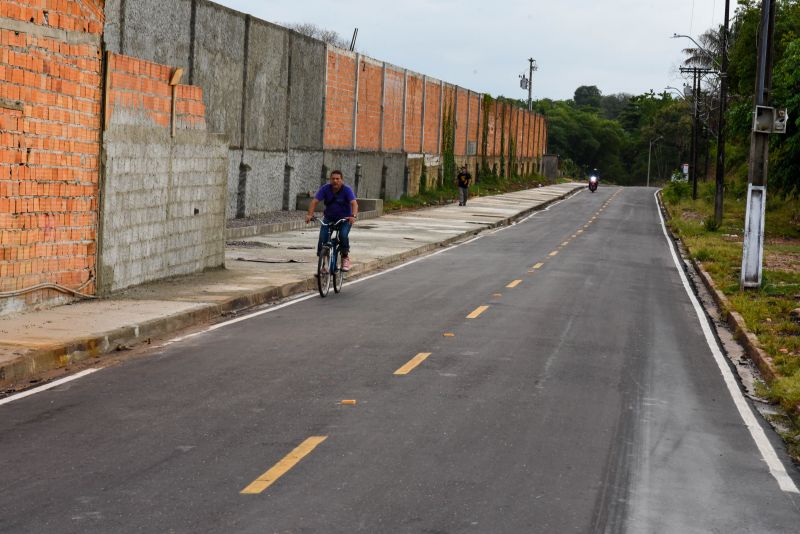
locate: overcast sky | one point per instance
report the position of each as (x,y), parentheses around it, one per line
(617,45)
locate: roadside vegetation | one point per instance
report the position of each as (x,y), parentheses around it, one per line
(767,311)
(486,184)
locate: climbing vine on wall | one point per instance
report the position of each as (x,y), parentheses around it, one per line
(448,145)
(485,169)
(502,137)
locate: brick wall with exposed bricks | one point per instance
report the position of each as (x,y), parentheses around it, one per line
(386,91)
(50,120)
(140,91)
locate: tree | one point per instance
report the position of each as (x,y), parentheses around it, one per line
(327,36)
(588,96)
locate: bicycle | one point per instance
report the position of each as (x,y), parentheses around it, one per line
(329,264)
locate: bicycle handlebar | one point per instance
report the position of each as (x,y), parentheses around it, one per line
(321,223)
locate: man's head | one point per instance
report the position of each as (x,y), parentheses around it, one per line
(337,180)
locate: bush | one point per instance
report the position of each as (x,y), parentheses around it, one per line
(674,192)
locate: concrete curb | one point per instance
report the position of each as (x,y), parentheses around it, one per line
(36,362)
(747,339)
(735,321)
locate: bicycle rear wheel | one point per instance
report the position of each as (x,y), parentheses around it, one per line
(338,273)
(324,272)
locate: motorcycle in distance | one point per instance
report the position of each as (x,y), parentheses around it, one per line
(593,183)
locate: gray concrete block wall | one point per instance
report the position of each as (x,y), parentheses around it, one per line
(219,67)
(155,30)
(264,181)
(395,175)
(234,162)
(369,185)
(306,173)
(307,92)
(172,194)
(263,86)
(267,87)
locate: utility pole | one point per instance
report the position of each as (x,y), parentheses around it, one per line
(697,72)
(696,93)
(753,245)
(723,101)
(533,67)
(649,151)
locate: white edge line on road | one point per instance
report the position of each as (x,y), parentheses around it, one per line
(768,453)
(45,387)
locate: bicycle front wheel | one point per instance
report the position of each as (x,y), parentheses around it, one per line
(324,272)
(338,273)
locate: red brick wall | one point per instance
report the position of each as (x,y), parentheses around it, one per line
(413,113)
(432,116)
(141,88)
(461,121)
(368,125)
(339,99)
(490,127)
(399,88)
(393,111)
(472,120)
(49,156)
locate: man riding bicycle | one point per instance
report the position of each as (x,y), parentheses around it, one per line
(340,203)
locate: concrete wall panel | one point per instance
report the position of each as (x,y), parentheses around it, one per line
(306,172)
(395,172)
(267,83)
(156,30)
(264,181)
(369,186)
(219,67)
(307,92)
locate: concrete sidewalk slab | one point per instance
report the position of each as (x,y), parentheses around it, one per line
(261,269)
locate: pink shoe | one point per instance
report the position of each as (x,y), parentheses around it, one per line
(346,265)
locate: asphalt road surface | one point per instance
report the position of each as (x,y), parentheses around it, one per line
(550,377)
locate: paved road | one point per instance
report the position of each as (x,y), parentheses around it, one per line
(584,397)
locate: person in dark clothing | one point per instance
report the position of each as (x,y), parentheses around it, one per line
(462,180)
(340,203)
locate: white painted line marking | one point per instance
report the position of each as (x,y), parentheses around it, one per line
(768,453)
(45,387)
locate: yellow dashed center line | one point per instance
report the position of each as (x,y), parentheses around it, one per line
(565,243)
(477,311)
(553,253)
(279,469)
(412,363)
(538,265)
(579,231)
(513,284)
(449,334)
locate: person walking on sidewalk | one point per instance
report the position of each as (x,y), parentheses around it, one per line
(462,180)
(340,203)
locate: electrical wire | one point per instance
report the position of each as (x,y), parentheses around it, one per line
(48,285)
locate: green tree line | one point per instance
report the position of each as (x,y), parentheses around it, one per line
(613,133)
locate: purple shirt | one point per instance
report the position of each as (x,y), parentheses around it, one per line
(337,205)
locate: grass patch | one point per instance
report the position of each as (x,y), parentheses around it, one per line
(447,194)
(766,310)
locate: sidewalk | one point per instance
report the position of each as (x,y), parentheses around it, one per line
(258,269)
